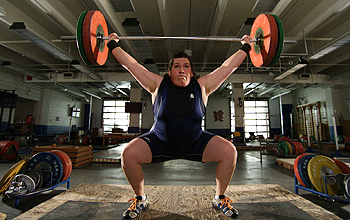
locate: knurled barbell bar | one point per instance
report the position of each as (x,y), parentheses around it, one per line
(267,44)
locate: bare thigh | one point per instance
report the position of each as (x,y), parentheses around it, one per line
(138,151)
(218,149)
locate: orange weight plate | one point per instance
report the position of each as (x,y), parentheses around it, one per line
(66,162)
(95,49)
(265,30)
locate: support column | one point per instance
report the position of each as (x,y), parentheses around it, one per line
(134,123)
(238,95)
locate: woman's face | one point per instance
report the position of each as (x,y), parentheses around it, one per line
(181,72)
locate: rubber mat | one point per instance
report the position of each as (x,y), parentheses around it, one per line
(80,210)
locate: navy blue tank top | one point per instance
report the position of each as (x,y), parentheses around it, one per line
(178,113)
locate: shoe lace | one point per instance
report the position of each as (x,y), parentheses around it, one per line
(133,204)
(226,202)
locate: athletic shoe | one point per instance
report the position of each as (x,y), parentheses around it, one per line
(137,205)
(225,205)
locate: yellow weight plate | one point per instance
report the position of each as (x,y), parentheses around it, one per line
(318,168)
(11,173)
(290,148)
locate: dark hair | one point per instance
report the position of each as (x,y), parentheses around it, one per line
(182,55)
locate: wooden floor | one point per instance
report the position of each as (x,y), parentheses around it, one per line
(181,202)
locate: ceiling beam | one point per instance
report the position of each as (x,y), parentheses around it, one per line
(165,25)
(219,13)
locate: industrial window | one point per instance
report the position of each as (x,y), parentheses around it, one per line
(114,115)
(256,118)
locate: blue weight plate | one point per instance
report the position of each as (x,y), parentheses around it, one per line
(47,163)
(302,169)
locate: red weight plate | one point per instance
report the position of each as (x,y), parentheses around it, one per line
(66,162)
(297,148)
(85,141)
(12,154)
(264,29)
(301,148)
(2,148)
(61,139)
(284,139)
(347,140)
(296,171)
(343,167)
(95,49)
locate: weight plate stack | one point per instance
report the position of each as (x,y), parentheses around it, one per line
(48,164)
(66,162)
(79,40)
(280,43)
(265,30)
(303,169)
(95,25)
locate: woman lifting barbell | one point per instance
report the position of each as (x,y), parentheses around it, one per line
(179,103)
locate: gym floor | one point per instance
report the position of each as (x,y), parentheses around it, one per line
(250,170)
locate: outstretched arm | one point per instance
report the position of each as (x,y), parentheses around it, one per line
(148,80)
(212,81)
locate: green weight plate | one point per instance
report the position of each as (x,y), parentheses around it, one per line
(80,43)
(318,168)
(280,43)
(285,148)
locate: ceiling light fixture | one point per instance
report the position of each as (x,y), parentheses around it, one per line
(302,63)
(2,11)
(276,96)
(331,46)
(22,30)
(23,70)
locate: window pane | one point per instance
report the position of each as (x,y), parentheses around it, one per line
(249,110)
(256,118)
(261,110)
(249,103)
(249,122)
(261,103)
(108,109)
(109,103)
(249,129)
(108,115)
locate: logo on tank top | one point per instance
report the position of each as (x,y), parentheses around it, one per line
(191,96)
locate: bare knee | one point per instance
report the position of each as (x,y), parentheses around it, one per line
(136,152)
(220,150)
(230,153)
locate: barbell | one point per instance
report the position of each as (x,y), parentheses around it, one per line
(267,43)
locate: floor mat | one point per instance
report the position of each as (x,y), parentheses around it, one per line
(80,210)
(266,201)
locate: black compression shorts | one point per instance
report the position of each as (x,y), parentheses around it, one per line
(159,153)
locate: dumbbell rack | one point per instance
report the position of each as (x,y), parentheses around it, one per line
(325,195)
(16,198)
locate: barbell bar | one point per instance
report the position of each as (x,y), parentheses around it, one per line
(230,39)
(267,35)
